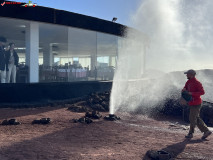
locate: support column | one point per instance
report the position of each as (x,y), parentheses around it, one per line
(70,38)
(93,62)
(32,51)
(94,55)
(110,60)
(48,55)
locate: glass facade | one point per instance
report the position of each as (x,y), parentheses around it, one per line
(56,53)
(107,47)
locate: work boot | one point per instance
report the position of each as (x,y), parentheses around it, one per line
(189,135)
(206,134)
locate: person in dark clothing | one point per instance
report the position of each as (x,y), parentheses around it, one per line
(12,59)
(3,62)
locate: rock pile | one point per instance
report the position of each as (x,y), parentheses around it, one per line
(172,107)
(158,155)
(79,107)
(42,121)
(83,120)
(207,113)
(93,102)
(112,117)
(93,115)
(10,122)
(88,117)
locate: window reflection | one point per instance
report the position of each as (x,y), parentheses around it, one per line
(65,53)
(106,56)
(14,31)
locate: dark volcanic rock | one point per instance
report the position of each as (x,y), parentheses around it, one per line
(98,107)
(158,155)
(42,121)
(88,117)
(10,122)
(105,105)
(83,120)
(172,107)
(93,115)
(112,117)
(206,113)
(36,121)
(76,108)
(5,122)
(95,101)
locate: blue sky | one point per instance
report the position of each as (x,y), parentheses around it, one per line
(104,9)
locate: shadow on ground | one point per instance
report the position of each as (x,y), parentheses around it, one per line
(11,113)
(177,148)
(75,142)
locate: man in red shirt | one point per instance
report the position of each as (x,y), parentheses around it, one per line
(195,89)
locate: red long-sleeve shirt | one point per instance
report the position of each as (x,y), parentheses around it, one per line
(196,89)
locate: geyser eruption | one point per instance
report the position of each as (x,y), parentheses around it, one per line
(129,68)
(174,35)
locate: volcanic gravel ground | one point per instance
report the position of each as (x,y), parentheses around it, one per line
(129,138)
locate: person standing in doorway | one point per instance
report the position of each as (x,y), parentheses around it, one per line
(12,59)
(195,89)
(3,62)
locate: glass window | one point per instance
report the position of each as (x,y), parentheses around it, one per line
(53,59)
(82,52)
(14,31)
(65,53)
(107,47)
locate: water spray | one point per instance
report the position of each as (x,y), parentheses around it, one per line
(177,34)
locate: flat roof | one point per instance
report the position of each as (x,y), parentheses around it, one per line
(61,17)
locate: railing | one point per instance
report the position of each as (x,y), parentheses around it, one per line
(55,74)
